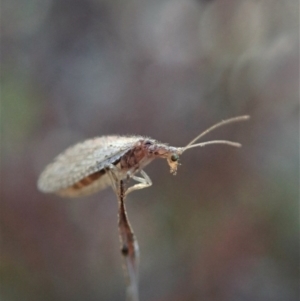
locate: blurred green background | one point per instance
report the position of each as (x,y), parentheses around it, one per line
(226,227)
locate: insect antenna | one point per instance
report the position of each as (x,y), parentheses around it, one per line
(223,122)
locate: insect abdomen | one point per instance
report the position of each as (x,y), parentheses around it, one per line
(88,180)
(88,185)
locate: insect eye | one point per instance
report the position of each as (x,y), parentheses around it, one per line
(174,158)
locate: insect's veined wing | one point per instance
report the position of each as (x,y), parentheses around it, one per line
(85,160)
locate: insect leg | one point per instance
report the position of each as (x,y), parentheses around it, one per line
(112,172)
(144,182)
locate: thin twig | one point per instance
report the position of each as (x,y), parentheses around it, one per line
(129,248)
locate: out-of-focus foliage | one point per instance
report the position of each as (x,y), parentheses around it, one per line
(226,228)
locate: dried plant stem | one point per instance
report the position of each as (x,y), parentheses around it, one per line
(129,248)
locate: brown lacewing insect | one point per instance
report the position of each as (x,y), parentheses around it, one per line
(96,163)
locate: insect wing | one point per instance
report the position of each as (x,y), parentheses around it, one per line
(82,160)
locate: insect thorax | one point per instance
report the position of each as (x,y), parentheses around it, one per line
(136,158)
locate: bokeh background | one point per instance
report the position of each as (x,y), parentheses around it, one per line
(226,227)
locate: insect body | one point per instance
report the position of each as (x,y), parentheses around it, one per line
(100,162)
